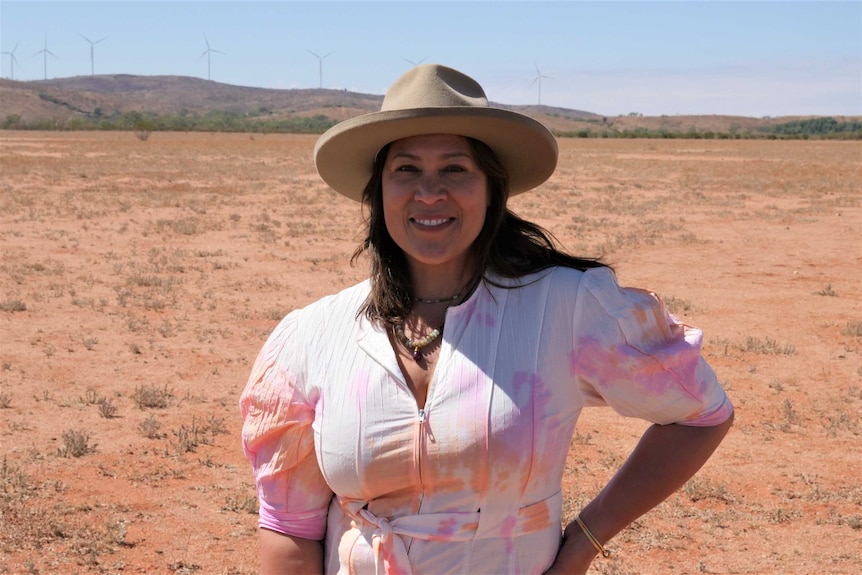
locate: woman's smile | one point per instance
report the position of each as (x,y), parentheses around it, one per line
(431,222)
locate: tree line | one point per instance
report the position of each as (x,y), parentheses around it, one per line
(143,122)
(261,122)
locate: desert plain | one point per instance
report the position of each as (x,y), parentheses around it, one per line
(140,276)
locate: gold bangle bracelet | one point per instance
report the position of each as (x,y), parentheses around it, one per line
(599,547)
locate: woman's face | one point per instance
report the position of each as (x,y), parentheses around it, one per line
(434,201)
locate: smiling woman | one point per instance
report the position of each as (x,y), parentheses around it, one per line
(419,422)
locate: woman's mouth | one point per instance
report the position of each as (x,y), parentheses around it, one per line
(431,222)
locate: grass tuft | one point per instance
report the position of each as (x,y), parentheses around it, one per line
(76,444)
(152,397)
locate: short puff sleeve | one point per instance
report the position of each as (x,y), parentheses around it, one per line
(278,439)
(634,356)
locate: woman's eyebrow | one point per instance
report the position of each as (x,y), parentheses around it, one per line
(446,156)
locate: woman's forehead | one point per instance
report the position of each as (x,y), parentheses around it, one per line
(430,144)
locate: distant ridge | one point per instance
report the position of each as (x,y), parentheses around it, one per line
(64,98)
(59,100)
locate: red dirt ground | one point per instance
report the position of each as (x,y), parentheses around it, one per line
(140,278)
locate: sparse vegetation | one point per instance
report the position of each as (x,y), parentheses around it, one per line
(152,397)
(827,291)
(853,328)
(150,428)
(175,260)
(107,409)
(767,346)
(76,443)
(13,305)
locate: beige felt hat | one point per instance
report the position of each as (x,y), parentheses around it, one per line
(434,99)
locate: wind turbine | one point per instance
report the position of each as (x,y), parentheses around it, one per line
(45,51)
(12,60)
(409,61)
(538,79)
(320,64)
(92,57)
(207,53)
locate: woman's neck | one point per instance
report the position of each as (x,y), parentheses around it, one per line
(436,284)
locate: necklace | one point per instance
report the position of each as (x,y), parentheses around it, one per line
(466,288)
(441,300)
(417,345)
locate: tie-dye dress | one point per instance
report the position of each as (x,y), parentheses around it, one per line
(471,483)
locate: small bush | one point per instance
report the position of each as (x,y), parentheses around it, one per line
(767,346)
(150,428)
(150,396)
(853,328)
(12,479)
(76,444)
(89,342)
(698,489)
(13,305)
(677,305)
(188,438)
(791,417)
(106,408)
(238,503)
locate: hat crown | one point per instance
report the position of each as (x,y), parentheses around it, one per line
(434,86)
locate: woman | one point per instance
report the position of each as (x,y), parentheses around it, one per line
(419,422)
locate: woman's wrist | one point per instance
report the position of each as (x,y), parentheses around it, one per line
(594,541)
(576,552)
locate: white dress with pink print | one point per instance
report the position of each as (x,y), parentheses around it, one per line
(471,483)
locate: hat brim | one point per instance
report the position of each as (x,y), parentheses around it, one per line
(344,154)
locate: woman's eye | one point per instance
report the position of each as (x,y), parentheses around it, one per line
(407,168)
(455,168)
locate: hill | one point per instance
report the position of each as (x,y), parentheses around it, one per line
(57,102)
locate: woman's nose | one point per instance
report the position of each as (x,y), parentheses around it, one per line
(430,189)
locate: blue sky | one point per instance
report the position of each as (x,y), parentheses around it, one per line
(745,58)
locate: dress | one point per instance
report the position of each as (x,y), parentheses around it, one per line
(471,483)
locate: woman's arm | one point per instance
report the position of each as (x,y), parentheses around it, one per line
(282,554)
(665,458)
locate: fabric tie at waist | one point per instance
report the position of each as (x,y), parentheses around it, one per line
(390,553)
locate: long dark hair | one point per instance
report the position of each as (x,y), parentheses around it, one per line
(507,245)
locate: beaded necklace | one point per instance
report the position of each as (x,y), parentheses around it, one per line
(418,344)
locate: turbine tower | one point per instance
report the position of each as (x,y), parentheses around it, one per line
(12,61)
(45,51)
(92,56)
(207,53)
(320,64)
(538,79)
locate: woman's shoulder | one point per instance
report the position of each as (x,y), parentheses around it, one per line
(302,323)
(336,303)
(559,278)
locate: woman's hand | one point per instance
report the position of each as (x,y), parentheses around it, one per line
(576,553)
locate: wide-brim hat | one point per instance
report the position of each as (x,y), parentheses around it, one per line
(434,99)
